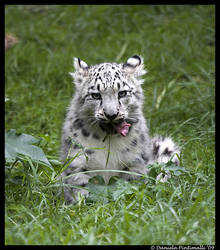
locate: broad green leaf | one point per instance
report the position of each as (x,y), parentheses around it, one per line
(121,188)
(97,190)
(115,189)
(22,144)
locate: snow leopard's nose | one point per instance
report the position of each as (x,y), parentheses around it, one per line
(110,116)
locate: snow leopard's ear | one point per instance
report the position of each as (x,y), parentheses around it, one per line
(79,65)
(134,66)
(81,70)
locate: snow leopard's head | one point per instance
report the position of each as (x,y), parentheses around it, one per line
(109,94)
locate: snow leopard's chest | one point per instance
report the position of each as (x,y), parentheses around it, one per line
(115,153)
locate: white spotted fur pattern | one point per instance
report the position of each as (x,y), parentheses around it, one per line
(109,92)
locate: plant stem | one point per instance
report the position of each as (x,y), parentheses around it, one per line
(108,153)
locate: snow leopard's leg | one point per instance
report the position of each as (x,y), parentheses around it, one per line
(74,175)
(164,150)
(137,166)
(78,179)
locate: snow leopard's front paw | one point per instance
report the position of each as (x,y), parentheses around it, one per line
(164,150)
(71,192)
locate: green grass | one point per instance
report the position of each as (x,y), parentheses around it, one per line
(178,46)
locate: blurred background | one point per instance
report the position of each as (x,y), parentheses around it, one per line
(177,43)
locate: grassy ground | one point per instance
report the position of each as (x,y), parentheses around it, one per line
(178,45)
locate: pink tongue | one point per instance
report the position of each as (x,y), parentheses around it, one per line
(123,128)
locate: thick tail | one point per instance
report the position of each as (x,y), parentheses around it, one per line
(164,150)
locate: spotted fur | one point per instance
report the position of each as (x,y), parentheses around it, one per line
(106,95)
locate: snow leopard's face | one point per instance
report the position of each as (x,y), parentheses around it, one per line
(109,94)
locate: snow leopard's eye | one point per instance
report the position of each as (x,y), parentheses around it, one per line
(96,96)
(122,94)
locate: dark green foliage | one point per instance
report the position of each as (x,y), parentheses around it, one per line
(177,43)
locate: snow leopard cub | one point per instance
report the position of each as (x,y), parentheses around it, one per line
(105,118)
